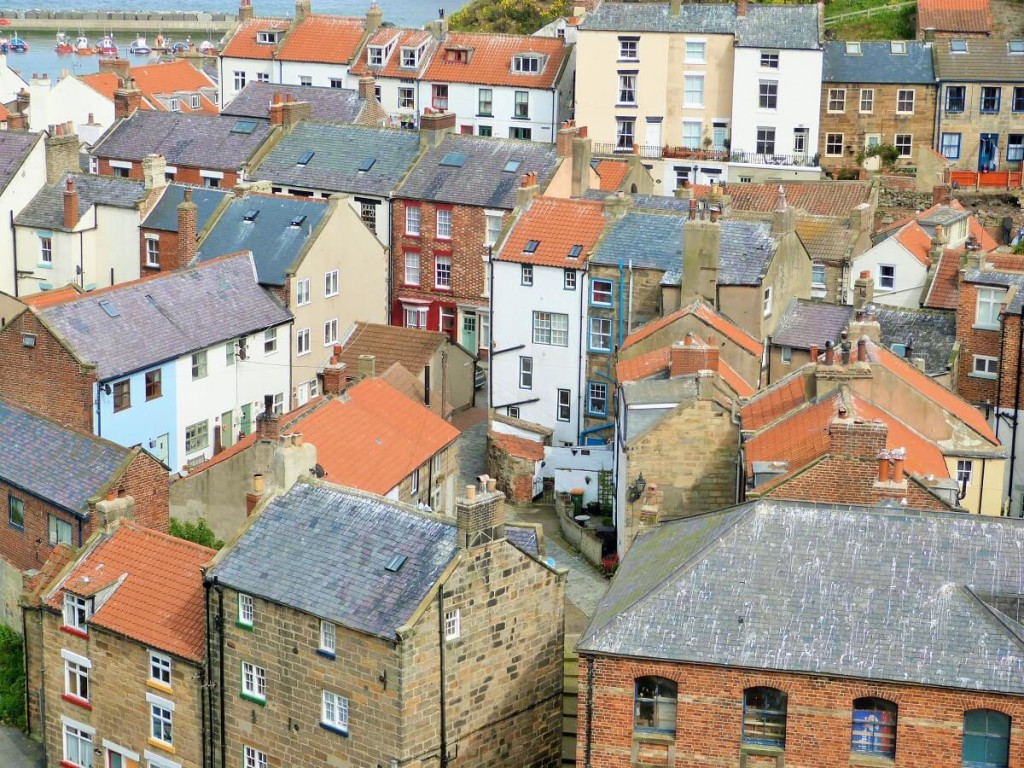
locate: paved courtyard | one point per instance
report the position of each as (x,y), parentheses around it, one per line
(18,751)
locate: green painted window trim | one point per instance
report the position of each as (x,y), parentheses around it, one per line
(253,699)
(243,625)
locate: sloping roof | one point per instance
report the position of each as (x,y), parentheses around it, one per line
(243,45)
(973,16)
(274,241)
(323,39)
(14,148)
(51,297)
(490,60)
(611,173)
(329,105)
(986,60)
(407,38)
(164,215)
(166,316)
(201,141)
(923,456)
(779,26)
(339,153)
(57,464)
(772,403)
(655,17)
(46,210)
(522,447)
(876,63)
(389,344)
(373,436)
(475,173)
(658,361)
(908,608)
(160,602)
(821,198)
(555,226)
(808,323)
(944,290)
(915,241)
(1005,279)
(164,79)
(932,334)
(710,316)
(343,579)
(826,238)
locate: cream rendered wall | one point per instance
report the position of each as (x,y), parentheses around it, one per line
(992,470)
(68,99)
(343,242)
(23,186)
(910,273)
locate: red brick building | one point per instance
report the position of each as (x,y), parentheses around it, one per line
(448,212)
(803,634)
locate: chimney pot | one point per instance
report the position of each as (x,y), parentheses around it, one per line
(883,467)
(862,349)
(470,492)
(830,353)
(814,353)
(898,459)
(257,484)
(70,204)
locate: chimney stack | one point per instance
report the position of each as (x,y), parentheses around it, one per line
(367,366)
(863,290)
(21,101)
(127,99)
(252,498)
(702,244)
(61,147)
(303,8)
(741,8)
(154,171)
(528,189)
(286,111)
(374,18)
(898,458)
(675,7)
(245,11)
(268,423)
(858,439)
(70,204)
(813,353)
(691,355)
(434,126)
(582,152)
(480,516)
(563,140)
(188,225)
(783,218)
(830,352)
(367,88)
(940,194)
(334,374)
(120,67)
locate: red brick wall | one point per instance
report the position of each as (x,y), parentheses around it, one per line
(710,705)
(146,481)
(45,378)
(168,251)
(184,174)
(20,547)
(466,249)
(977,342)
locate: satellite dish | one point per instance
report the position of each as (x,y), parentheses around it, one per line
(319,471)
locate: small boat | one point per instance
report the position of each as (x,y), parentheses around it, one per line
(180,47)
(17,44)
(207,48)
(106,46)
(139,47)
(82,47)
(63,44)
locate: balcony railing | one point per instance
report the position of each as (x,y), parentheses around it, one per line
(652,152)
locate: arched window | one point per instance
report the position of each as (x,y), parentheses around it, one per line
(655,704)
(874,727)
(764,716)
(986,739)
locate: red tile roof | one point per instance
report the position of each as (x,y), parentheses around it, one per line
(611,173)
(985,240)
(923,456)
(373,436)
(407,38)
(709,316)
(490,60)
(773,403)
(734,380)
(822,198)
(954,15)
(45,299)
(522,447)
(324,39)
(159,602)
(944,292)
(159,80)
(1004,262)
(657,361)
(915,241)
(556,225)
(243,45)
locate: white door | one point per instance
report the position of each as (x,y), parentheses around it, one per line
(302,394)
(653,137)
(872,140)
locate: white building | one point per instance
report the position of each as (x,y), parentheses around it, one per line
(22,175)
(538,311)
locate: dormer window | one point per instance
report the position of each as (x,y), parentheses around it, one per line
(174,106)
(77,611)
(267,37)
(526,64)
(457,55)
(375,56)
(194,101)
(410,58)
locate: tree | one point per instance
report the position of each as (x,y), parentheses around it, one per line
(523,17)
(198,532)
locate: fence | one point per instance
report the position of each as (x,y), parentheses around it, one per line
(651,152)
(984,179)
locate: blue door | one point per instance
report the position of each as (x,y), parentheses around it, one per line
(988,154)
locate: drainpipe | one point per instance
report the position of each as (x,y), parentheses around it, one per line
(490,332)
(440,655)
(629,317)
(622,298)
(14,245)
(207,693)
(584,344)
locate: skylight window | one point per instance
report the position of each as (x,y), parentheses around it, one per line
(898,47)
(958,46)
(531,246)
(297,221)
(251,215)
(575,251)
(367,164)
(306,157)
(852,48)
(1015,46)
(454,159)
(244,126)
(512,166)
(109,308)
(395,563)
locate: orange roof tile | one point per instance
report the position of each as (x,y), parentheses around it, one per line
(373,436)
(822,198)
(407,38)
(324,39)
(708,315)
(944,292)
(243,45)
(105,83)
(45,299)
(931,389)
(985,240)
(490,60)
(159,80)
(954,15)
(556,225)
(658,360)
(611,173)
(915,241)
(767,406)
(1006,262)
(159,603)
(924,457)
(733,379)
(799,438)
(522,447)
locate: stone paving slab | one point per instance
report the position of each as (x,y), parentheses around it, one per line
(18,751)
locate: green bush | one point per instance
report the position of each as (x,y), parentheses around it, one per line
(12,678)
(198,532)
(523,17)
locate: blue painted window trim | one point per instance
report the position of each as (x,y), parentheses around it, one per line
(590,411)
(326,654)
(611,292)
(334,729)
(590,336)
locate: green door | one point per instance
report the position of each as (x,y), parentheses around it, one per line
(469,331)
(247,418)
(227,429)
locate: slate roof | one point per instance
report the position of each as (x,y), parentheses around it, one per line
(655,241)
(164,215)
(556,226)
(164,317)
(73,468)
(159,601)
(482,179)
(933,333)
(275,244)
(490,60)
(199,141)
(373,437)
(330,105)
(779,26)
(909,607)
(389,344)
(974,16)
(876,63)
(14,148)
(810,323)
(46,210)
(338,153)
(985,60)
(523,537)
(343,579)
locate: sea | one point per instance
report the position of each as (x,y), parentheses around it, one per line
(42,58)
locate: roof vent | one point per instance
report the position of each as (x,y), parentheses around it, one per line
(958,46)
(251,215)
(395,563)
(306,157)
(367,164)
(453,159)
(109,308)
(297,221)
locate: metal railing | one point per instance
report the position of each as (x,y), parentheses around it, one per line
(653,152)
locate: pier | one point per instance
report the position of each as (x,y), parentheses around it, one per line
(26,21)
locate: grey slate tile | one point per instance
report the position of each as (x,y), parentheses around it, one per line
(332,105)
(876,63)
(46,210)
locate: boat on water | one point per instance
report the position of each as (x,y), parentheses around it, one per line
(106,46)
(82,46)
(17,44)
(139,47)
(180,47)
(64,44)
(207,48)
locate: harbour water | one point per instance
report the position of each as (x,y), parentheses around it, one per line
(42,58)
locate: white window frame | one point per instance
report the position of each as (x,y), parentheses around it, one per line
(629,49)
(77,611)
(551,329)
(452,624)
(493,232)
(525,372)
(270,341)
(443,272)
(253,758)
(254,680)
(301,342)
(599,328)
(906,148)
(330,331)
(692,138)
(767,302)
(769,59)
(46,249)
(415,316)
(867,97)
(84,736)
(817,267)
(569,279)
(563,405)
(162,666)
(331,284)
(832,149)
(334,711)
(412,268)
(239,79)
(246,610)
(526,274)
(903,99)
(200,365)
(985,367)
(592,397)
(152,250)
(693,77)
(703,58)
(76,675)
(627,88)
(988,306)
(890,278)
(200,439)
(526,64)
(964,471)
(161,713)
(786,355)
(412,220)
(328,637)
(414,481)
(836,103)
(443,221)
(302,294)
(768,97)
